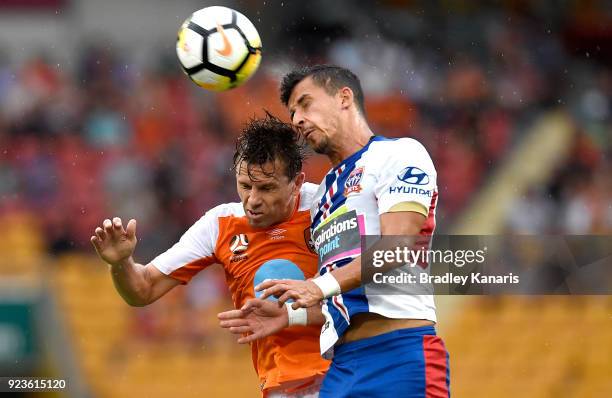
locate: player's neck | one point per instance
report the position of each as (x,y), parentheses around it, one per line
(291,208)
(351,140)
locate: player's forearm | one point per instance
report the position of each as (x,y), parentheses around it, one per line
(349,276)
(315,315)
(130,280)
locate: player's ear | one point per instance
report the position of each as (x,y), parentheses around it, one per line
(299,181)
(346,97)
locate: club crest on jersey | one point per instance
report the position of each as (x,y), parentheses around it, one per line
(308,239)
(239,244)
(353,182)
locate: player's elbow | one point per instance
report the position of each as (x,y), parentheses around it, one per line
(407,223)
(137,299)
(132,302)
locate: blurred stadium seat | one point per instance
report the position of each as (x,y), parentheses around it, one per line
(118,363)
(539,346)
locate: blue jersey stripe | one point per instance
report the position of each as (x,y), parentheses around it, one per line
(354,301)
(338,199)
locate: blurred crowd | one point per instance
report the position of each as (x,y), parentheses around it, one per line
(106,138)
(578,198)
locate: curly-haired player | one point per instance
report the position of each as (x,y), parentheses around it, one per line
(263,237)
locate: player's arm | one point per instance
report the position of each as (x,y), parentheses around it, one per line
(403,221)
(261,318)
(138,284)
(403,224)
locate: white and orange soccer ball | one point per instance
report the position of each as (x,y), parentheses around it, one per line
(218,48)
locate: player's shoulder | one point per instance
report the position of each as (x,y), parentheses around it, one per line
(385,146)
(226,210)
(211,223)
(307,195)
(388,149)
(386,156)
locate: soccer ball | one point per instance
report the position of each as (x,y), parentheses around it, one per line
(218,48)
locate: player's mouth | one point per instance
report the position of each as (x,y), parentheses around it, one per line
(308,132)
(254,214)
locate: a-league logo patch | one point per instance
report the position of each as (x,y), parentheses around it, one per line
(239,244)
(352,184)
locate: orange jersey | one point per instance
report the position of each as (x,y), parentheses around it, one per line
(249,255)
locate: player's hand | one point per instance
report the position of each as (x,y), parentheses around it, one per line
(304,293)
(256,319)
(113,243)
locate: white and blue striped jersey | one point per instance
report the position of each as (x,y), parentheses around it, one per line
(348,204)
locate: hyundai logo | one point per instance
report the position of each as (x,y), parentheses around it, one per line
(413,175)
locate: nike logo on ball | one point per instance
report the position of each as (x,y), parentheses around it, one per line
(227,46)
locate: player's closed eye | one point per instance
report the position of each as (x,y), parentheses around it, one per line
(267,188)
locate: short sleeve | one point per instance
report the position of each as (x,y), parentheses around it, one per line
(407,175)
(193,252)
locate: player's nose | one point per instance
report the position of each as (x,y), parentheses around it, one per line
(298,120)
(254,200)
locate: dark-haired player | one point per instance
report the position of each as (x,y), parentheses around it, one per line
(264,237)
(384,345)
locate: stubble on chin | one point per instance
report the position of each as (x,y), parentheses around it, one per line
(321,147)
